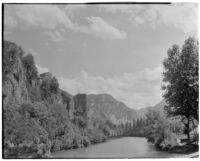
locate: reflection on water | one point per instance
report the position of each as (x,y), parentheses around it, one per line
(126,147)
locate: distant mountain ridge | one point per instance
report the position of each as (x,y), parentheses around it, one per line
(111,108)
(117,110)
(158,107)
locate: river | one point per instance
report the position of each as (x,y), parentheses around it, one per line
(126,147)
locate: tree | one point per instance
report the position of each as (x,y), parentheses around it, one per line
(181,81)
(157,128)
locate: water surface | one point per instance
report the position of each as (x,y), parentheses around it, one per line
(126,147)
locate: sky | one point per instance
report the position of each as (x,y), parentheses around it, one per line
(103,48)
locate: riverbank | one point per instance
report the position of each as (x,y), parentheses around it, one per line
(179,148)
(88,143)
(193,155)
(176,151)
(123,147)
(186,149)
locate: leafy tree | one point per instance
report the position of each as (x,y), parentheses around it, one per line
(106,130)
(181,81)
(176,125)
(157,128)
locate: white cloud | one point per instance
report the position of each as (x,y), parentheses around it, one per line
(139,89)
(45,16)
(55,36)
(9,21)
(54,20)
(70,9)
(182,16)
(118,8)
(31,51)
(100,28)
(42,69)
(84,45)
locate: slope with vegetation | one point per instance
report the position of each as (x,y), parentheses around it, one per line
(180,117)
(39,117)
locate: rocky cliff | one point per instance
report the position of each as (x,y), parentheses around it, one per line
(39,117)
(21,82)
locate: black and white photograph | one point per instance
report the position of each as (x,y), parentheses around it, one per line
(100,80)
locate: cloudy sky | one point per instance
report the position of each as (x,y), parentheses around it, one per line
(114,49)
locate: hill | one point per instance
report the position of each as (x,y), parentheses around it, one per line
(159,107)
(39,117)
(110,108)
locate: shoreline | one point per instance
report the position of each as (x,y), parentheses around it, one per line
(179,155)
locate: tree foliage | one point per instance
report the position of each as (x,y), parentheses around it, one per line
(181,81)
(158,131)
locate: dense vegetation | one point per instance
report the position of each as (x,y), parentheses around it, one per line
(181,96)
(39,118)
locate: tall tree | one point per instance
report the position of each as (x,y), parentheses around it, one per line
(180,78)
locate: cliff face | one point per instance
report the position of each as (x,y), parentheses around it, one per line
(35,111)
(40,118)
(14,79)
(19,87)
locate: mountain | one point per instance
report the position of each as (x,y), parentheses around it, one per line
(108,107)
(39,117)
(159,107)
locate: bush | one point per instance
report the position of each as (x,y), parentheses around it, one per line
(86,141)
(57,145)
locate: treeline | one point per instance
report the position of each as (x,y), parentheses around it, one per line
(134,128)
